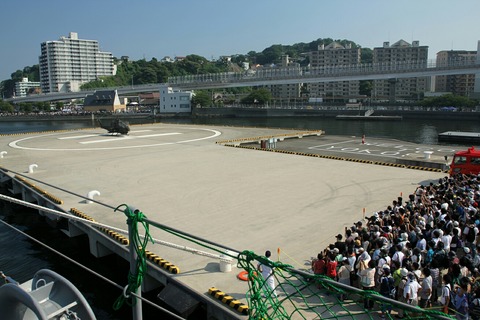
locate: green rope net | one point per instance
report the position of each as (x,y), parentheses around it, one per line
(134,218)
(297,294)
(302,295)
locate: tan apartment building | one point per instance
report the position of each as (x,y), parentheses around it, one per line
(334,54)
(400,89)
(286,93)
(460,84)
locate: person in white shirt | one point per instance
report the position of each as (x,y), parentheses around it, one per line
(410,292)
(427,288)
(421,243)
(268,275)
(398,255)
(447,240)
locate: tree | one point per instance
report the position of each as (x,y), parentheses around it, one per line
(259,96)
(6,107)
(366,87)
(202,98)
(448,100)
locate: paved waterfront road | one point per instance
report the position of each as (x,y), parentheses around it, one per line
(374,149)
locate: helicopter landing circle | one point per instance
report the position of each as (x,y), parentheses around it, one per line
(97,139)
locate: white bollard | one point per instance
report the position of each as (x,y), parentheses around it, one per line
(427,154)
(91,194)
(3,153)
(225,262)
(30,167)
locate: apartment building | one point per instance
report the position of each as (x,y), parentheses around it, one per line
(333,55)
(460,84)
(69,62)
(24,87)
(405,88)
(286,92)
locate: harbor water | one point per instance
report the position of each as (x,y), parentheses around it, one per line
(20,257)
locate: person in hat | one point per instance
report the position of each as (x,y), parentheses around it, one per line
(387,289)
(411,290)
(402,282)
(362,259)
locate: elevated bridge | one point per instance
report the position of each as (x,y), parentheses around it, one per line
(286,75)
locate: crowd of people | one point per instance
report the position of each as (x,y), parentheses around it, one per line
(421,251)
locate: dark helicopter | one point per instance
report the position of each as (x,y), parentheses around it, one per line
(116,126)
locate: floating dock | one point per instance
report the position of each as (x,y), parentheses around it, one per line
(368,118)
(459,137)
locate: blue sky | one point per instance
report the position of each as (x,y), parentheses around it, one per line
(211,28)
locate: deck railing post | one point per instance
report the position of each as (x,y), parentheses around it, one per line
(136,302)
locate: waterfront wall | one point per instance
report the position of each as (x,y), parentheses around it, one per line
(240,112)
(328,113)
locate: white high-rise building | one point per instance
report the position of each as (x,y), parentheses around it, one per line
(69,62)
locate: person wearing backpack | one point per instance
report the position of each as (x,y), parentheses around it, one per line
(401,286)
(387,289)
(426,289)
(446,297)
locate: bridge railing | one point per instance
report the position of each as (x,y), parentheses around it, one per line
(326,71)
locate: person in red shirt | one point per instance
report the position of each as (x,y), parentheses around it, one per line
(331,266)
(319,266)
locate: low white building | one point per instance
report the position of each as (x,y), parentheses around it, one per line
(23,87)
(175,101)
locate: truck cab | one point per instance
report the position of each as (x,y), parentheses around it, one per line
(466,162)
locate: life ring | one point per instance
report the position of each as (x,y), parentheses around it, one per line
(244,275)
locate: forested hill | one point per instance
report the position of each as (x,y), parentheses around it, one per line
(156,71)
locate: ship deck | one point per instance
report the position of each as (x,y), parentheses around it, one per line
(184,177)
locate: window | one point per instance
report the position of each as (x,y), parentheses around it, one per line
(460,160)
(475,161)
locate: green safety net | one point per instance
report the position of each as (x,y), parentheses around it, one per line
(298,294)
(303,295)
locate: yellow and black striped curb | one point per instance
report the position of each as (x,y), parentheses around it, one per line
(44,193)
(170,267)
(279,136)
(389,164)
(112,234)
(115,235)
(228,300)
(80,214)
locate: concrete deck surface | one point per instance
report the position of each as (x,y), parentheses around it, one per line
(241,198)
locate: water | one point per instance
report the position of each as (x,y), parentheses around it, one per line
(20,257)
